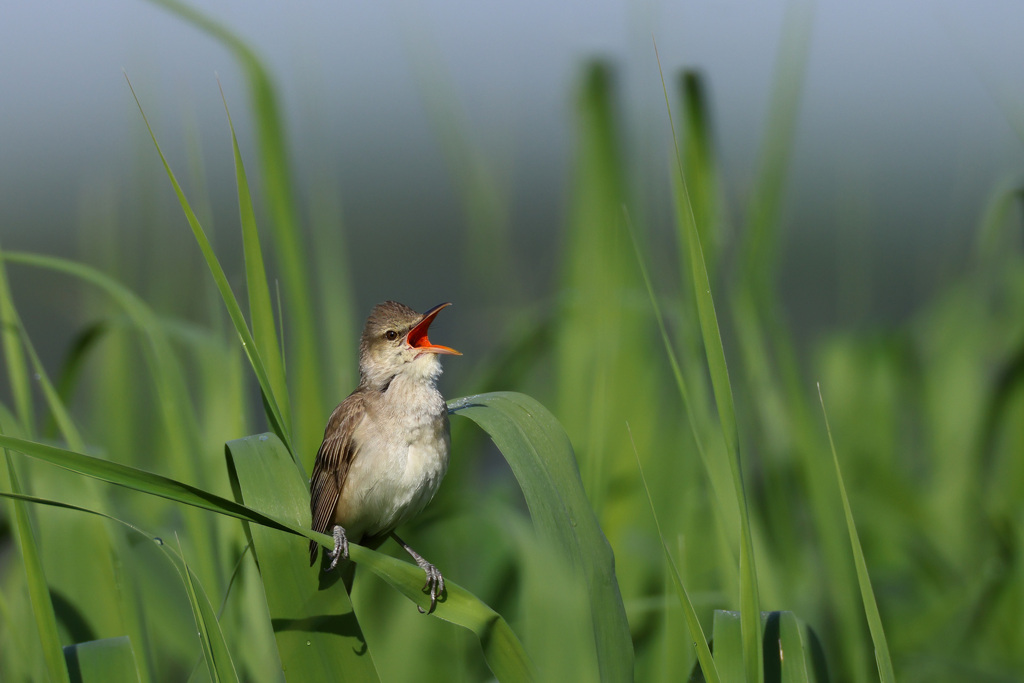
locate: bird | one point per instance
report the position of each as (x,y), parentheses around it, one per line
(386,447)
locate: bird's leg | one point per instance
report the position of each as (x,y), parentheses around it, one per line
(340,547)
(435,582)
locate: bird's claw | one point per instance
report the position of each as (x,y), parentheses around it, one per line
(434,585)
(340,551)
(435,582)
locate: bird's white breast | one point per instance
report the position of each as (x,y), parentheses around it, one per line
(403,447)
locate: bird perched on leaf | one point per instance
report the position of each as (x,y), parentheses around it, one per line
(386,446)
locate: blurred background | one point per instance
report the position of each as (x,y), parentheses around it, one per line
(855,172)
(907,118)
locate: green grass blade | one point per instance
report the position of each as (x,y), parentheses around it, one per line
(799,659)
(727,634)
(85,342)
(707,662)
(718,474)
(272,146)
(882,656)
(70,373)
(39,592)
(542,460)
(699,165)
(596,290)
(215,649)
(715,352)
(749,601)
(56,406)
(21,658)
(308,404)
(759,256)
(316,631)
(101,661)
(274,414)
(677,371)
(17,369)
(261,311)
(142,481)
(994,242)
(783,636)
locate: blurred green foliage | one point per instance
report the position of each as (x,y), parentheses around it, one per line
(927,419)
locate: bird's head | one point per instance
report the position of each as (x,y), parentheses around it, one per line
(395,341)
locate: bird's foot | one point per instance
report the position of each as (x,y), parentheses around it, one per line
(434,584)
(340,551)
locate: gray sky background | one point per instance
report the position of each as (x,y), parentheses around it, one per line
(907,111)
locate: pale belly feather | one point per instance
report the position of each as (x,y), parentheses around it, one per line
(401,460)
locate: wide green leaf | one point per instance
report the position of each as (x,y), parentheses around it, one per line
(316,630)
(100,661)
(542,460)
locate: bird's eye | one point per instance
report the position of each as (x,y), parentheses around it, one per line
(391,335)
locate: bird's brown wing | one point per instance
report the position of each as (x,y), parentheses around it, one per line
(332,463)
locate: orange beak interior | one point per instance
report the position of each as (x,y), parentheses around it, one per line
(417,337)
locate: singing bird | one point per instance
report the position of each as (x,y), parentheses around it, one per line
(386,446)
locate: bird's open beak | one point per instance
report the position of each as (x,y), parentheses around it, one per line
(417,337)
